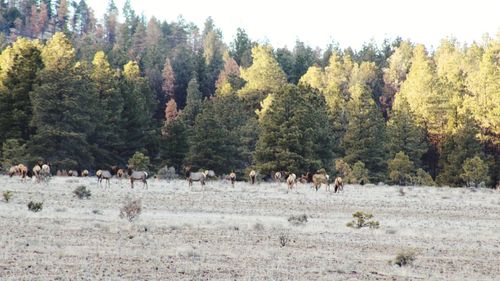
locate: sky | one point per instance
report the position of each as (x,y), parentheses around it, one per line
(320,22)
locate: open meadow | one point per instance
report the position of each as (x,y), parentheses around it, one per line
(244,233)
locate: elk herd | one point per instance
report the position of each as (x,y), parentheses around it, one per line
(42,172)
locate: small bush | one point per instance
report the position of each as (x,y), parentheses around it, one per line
(360,173)
(131,210)
(7,195)
(82,192)
(362,219)
(404,258)
(474,171)
(283,240)
(400,169)
(423,178)
(344,170)
(139,161)
(35,206)
(298,220)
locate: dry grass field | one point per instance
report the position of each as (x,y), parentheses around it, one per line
(222,233)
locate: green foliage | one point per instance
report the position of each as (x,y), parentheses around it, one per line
(265,74)
(174,144)
(193,103)
(35,206)
(365,135)
(294,133)
(216,142)
(422,178)
(108,137)
(456,149)
(404,258)
(63,105)
(474,171)
(359,173)
(18,78)
(422,93)
(362,219)
(139,161)
(482,98)
(241,48)
(404,134)
(13,153)
(401,169)
(82,192)
(137,111)
(7,195)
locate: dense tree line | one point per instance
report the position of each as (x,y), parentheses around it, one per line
(86,93)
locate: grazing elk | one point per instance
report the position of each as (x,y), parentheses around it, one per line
(103,175)
(253,176)
(36,172)
(137,175)
(85,173)
(232,178)
(338,184)
(197,176)
(277,176)
(290,180)
(320,179)
(120,174)
(20,170)
(45,172)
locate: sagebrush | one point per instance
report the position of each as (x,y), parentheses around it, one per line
(7,195)
(404,258)
(35,206)
(131,210)
(82,192)
(362,219)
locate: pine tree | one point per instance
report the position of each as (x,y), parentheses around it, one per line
(395,74)
(174,145)
(401,169)
(365,137)
(168,79)
(241,48)
(294,133)
(193,103)
(229,80)
(456,148)
(107,139)
(138,128)
(63,108)
(20,78)
(404,134)
(474,171)
(421,90)
(215,142)
(265,75)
